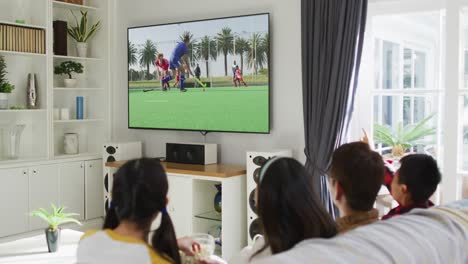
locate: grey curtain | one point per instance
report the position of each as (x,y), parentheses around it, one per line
(332,40)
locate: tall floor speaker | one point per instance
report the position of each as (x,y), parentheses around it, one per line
(255,161)
(116,152)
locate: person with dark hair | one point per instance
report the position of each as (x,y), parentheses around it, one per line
(414,183)
(139,195)
(288,208)
(355,177)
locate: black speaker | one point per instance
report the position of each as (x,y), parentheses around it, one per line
(200,154)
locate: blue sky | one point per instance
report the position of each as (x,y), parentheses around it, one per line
(166,36)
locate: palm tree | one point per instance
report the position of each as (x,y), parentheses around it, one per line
(192,46)
(225,41)
(265,42)
(148,55)
(256,54)
(242,46)
(207,49)
(132,56)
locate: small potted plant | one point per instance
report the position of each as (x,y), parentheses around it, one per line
(5,87)
(68,67)
(404,137)
(81,33)
(54,219)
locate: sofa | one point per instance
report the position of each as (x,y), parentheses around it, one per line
(436,235)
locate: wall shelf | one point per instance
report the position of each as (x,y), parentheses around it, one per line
(6,52)
(77,121)
(59,4)
(21,25)
(23,111)
(80,155)
(76,58)
(77,89)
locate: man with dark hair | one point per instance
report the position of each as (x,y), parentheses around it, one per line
(414,183)
(355,177)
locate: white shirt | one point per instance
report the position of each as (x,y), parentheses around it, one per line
(245,256)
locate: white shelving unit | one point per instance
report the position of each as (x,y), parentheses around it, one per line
(42,138)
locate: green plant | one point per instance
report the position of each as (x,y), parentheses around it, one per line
(80,31)
(56,217)
(5,86)
(68,67)
(403,138)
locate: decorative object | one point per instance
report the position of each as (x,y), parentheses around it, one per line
(403,138)
(32,101)
(70,143)
(5,87)
(217,199)
(69,67)
(12,140)
(54,219)
(81,34)
(79,107)
(64,114)
(60,37)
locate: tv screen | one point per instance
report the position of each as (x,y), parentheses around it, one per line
(207,75)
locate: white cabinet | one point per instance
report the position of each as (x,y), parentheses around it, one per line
(94,189)
(180,204)
(13,201)
(43,191)
(72,187)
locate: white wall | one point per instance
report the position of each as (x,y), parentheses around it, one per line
(287,130)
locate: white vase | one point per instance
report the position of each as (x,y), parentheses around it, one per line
(70,83)
(82,48)
(3,101)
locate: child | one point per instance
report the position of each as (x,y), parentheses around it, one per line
(288,208)
(162,65)
(413,183)
(239,78)
(139,195)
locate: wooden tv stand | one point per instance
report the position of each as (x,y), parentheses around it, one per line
(191,201)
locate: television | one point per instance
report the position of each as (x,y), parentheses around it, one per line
(205,75)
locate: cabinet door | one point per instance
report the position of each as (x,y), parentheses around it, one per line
(180,204)
(94,189)
(14,201)
(43,191)
(72,187)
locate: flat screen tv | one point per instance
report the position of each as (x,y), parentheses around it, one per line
(206,75)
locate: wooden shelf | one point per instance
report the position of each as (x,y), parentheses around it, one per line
(77,89)
(22,53)
(59,4)
(21,25)
(212,170)
(23,111)
(77,121)
(76,58)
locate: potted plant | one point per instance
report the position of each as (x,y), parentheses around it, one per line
(68,67)
(5,87)
(403,138)
(81,33)
(54,219)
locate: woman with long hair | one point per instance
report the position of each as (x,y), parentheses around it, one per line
(139,195)
(288,209)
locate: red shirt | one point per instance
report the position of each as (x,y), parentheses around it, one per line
(238,74)
(164,65)
(403,210)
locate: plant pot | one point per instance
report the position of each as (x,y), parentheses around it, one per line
(3,101)
(82,49)
(53,239)
(70,83)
